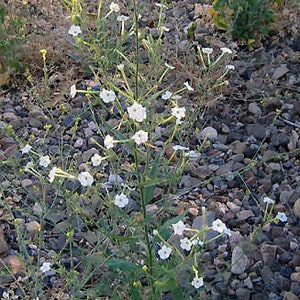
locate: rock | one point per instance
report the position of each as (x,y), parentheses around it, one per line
(26,183)
(280,71)
(295,276)
(32,227)
(37,117)
(202,221)
(209,133)
(254,109)
(256,130)
(243,294)
(188,182)
(225,169)
(86,156)
(245,214)
(238,147)
(295,288)
(13,263)
(266,274)
(233,207)
(79,143)
(3,245)
(9,117)
(268,254)
(248,283)
(201,172)
(6,279)
(239,261)
(296,208)
(280,139)
(290,296)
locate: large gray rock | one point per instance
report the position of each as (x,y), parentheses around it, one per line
(239,261)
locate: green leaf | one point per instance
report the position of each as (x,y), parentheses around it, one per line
(120,264)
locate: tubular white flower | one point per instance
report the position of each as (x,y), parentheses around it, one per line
(164,252)
(281,216)
(122,18)
(85,179)
(109,142)
(137,112)
(140,137)
(121,200)
(178,112)
(46,266)
(52,174)
(218,226)
(187,85)
(185,244)
(73,91)
(26,149)
(197,282)
(207,50)
(96,160)
(226,50)
(44,161)
(269,200)
(114,7)
(75,30)
(179,228)
(167,95)
(107,96)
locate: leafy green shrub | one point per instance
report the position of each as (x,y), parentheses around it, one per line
(244,19)
(11,27)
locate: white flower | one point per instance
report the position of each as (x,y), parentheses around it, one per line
(227,231)
(121,200)
(180,148)
(107,96)
(109,142)
(96,160)
(169,66)
(197,241)
(218,226)
(192,154)
(122,18)
(155,232)
(167,95)
(26,149)
(281,216)
(29,166)
(179,228)
(114,7)
(137,112)
(207,50)
(164,252)
(178,112)
(52,174)
(5,295)
(164,28)
(268,200)
(120,67)
(197,282)
(226,50)
(45,267)
(75,30)
(185,244)
(73,91)
(187,85)
(230,67)
(140,137)
(44,161)
(85,178)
